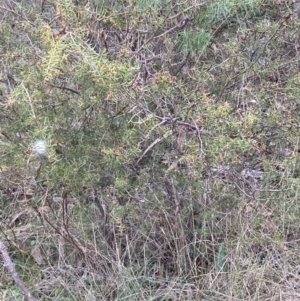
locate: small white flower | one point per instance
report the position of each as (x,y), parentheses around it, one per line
(39,147)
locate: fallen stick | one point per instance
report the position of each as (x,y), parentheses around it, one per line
(11,268)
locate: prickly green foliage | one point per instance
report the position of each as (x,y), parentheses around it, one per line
(160,119)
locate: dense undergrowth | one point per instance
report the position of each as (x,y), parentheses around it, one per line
(172,162)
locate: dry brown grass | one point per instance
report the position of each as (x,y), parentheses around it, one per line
(211,251)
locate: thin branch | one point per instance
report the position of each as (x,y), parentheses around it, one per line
(67,237)
(30,100)
(11,268)
(65,88)
(183,64)
(11,10)
(199,137)
(151,146)
(194,127)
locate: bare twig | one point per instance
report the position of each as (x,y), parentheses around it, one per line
(151,146)
(199,137)
(62,87)
(67,237)
(195,127)
(38,170)
(103,219)
(11,268)
(30,101)
(13,11)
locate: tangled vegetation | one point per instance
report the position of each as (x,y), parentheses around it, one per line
(150,149)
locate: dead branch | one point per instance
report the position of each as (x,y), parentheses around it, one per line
(151,146)
(11,268)
(63,87)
